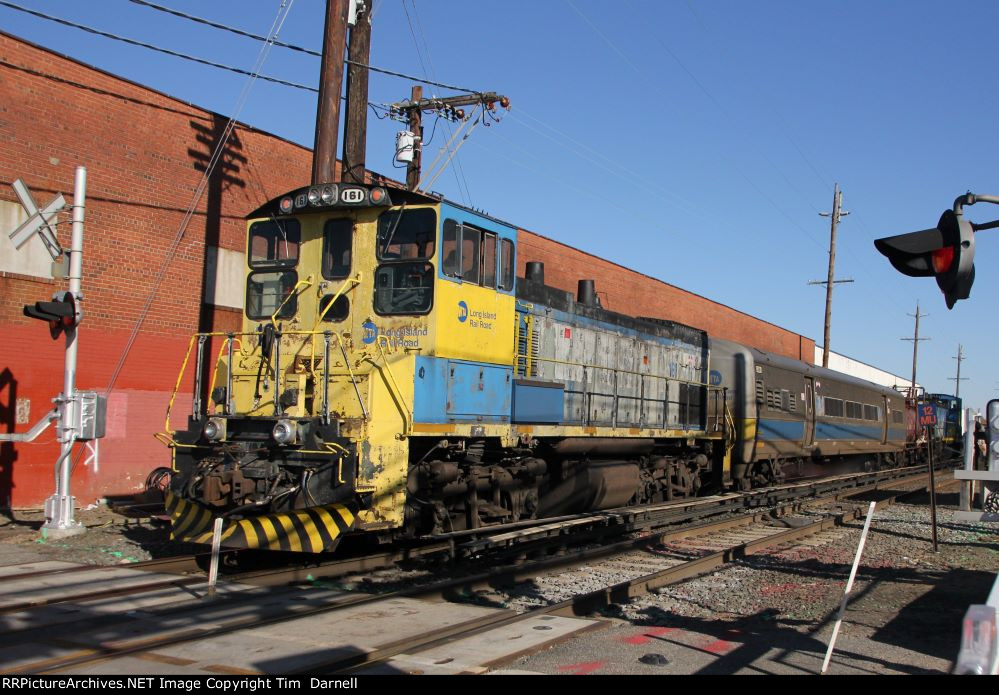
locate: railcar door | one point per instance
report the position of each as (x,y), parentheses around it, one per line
(885,416)
(809,412)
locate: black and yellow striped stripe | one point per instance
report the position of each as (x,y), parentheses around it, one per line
(312,530)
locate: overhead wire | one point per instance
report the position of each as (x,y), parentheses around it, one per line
(807,234)
(151,47)
(786,132)
(283,11)
(427,67)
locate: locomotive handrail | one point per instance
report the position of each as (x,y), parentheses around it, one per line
(320,312)
(587,394)
(615,369)
(404,408)
(307,282)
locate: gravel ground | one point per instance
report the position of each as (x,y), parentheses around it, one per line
(773,612)
(109,539)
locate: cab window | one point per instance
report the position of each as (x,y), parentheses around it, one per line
(274,243)
(407,234)
(337,239)
(404,280)
(506,265)
(268,291)
(404,288)
(470,254)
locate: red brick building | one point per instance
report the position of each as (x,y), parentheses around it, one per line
(145,153)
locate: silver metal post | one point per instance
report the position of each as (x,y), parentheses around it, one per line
(969,459)
(59,519)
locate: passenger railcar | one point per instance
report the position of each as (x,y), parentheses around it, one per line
(789,413)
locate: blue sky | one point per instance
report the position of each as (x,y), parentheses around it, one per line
(693,140)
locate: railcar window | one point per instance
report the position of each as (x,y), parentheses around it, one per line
(266,291)
(834,407)
(337,311)
(337,240)
(854,410)
(407,235)
(488,260)
(274,242)
(872,412)
(506,265)
(896,417)
(404,288)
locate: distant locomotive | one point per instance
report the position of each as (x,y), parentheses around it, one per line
(394,377)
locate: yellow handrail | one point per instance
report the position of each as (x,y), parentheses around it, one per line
(294,293)
(401,402)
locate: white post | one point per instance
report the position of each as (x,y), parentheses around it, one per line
(849,587)
(213,569)
(59,508)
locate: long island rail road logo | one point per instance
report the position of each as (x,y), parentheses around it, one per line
(475,318)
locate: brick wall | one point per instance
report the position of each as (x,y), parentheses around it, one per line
(630,292)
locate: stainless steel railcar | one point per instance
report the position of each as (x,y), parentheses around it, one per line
(789,413)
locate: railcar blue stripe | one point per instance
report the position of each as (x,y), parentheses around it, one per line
(847,430)
(781,430)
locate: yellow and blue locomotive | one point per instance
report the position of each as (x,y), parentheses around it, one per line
(394,377)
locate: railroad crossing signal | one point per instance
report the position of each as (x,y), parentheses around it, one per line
(62,313)
(946,252)
(39,221)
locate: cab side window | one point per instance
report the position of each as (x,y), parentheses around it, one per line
(476,256)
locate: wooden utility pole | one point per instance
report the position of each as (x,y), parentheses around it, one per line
(958,379)
(330,84)
(915,348)
(414,115)
(415,107)
(355,127)
(836,214)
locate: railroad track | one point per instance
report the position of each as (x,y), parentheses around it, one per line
(515,541)
(182,625)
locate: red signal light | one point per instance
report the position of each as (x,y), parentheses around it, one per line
(943,259)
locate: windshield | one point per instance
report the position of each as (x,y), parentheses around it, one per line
(407,235)
(274,242)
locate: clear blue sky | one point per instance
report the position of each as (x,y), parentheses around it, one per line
(695,141)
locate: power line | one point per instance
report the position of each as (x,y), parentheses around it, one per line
(459,174)
(294,47)
(224,27)
(284,9)
(158,49)
(221,66)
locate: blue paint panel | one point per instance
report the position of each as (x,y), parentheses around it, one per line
(780,430)
(458,391)
(430,390)
(533,402)
(848,431)
(896,434)
(478,390)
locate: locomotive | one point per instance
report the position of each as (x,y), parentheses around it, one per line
(394,377)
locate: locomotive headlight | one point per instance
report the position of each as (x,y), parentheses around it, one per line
(214,429)
(315,195)
(329,195)
(284,432)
